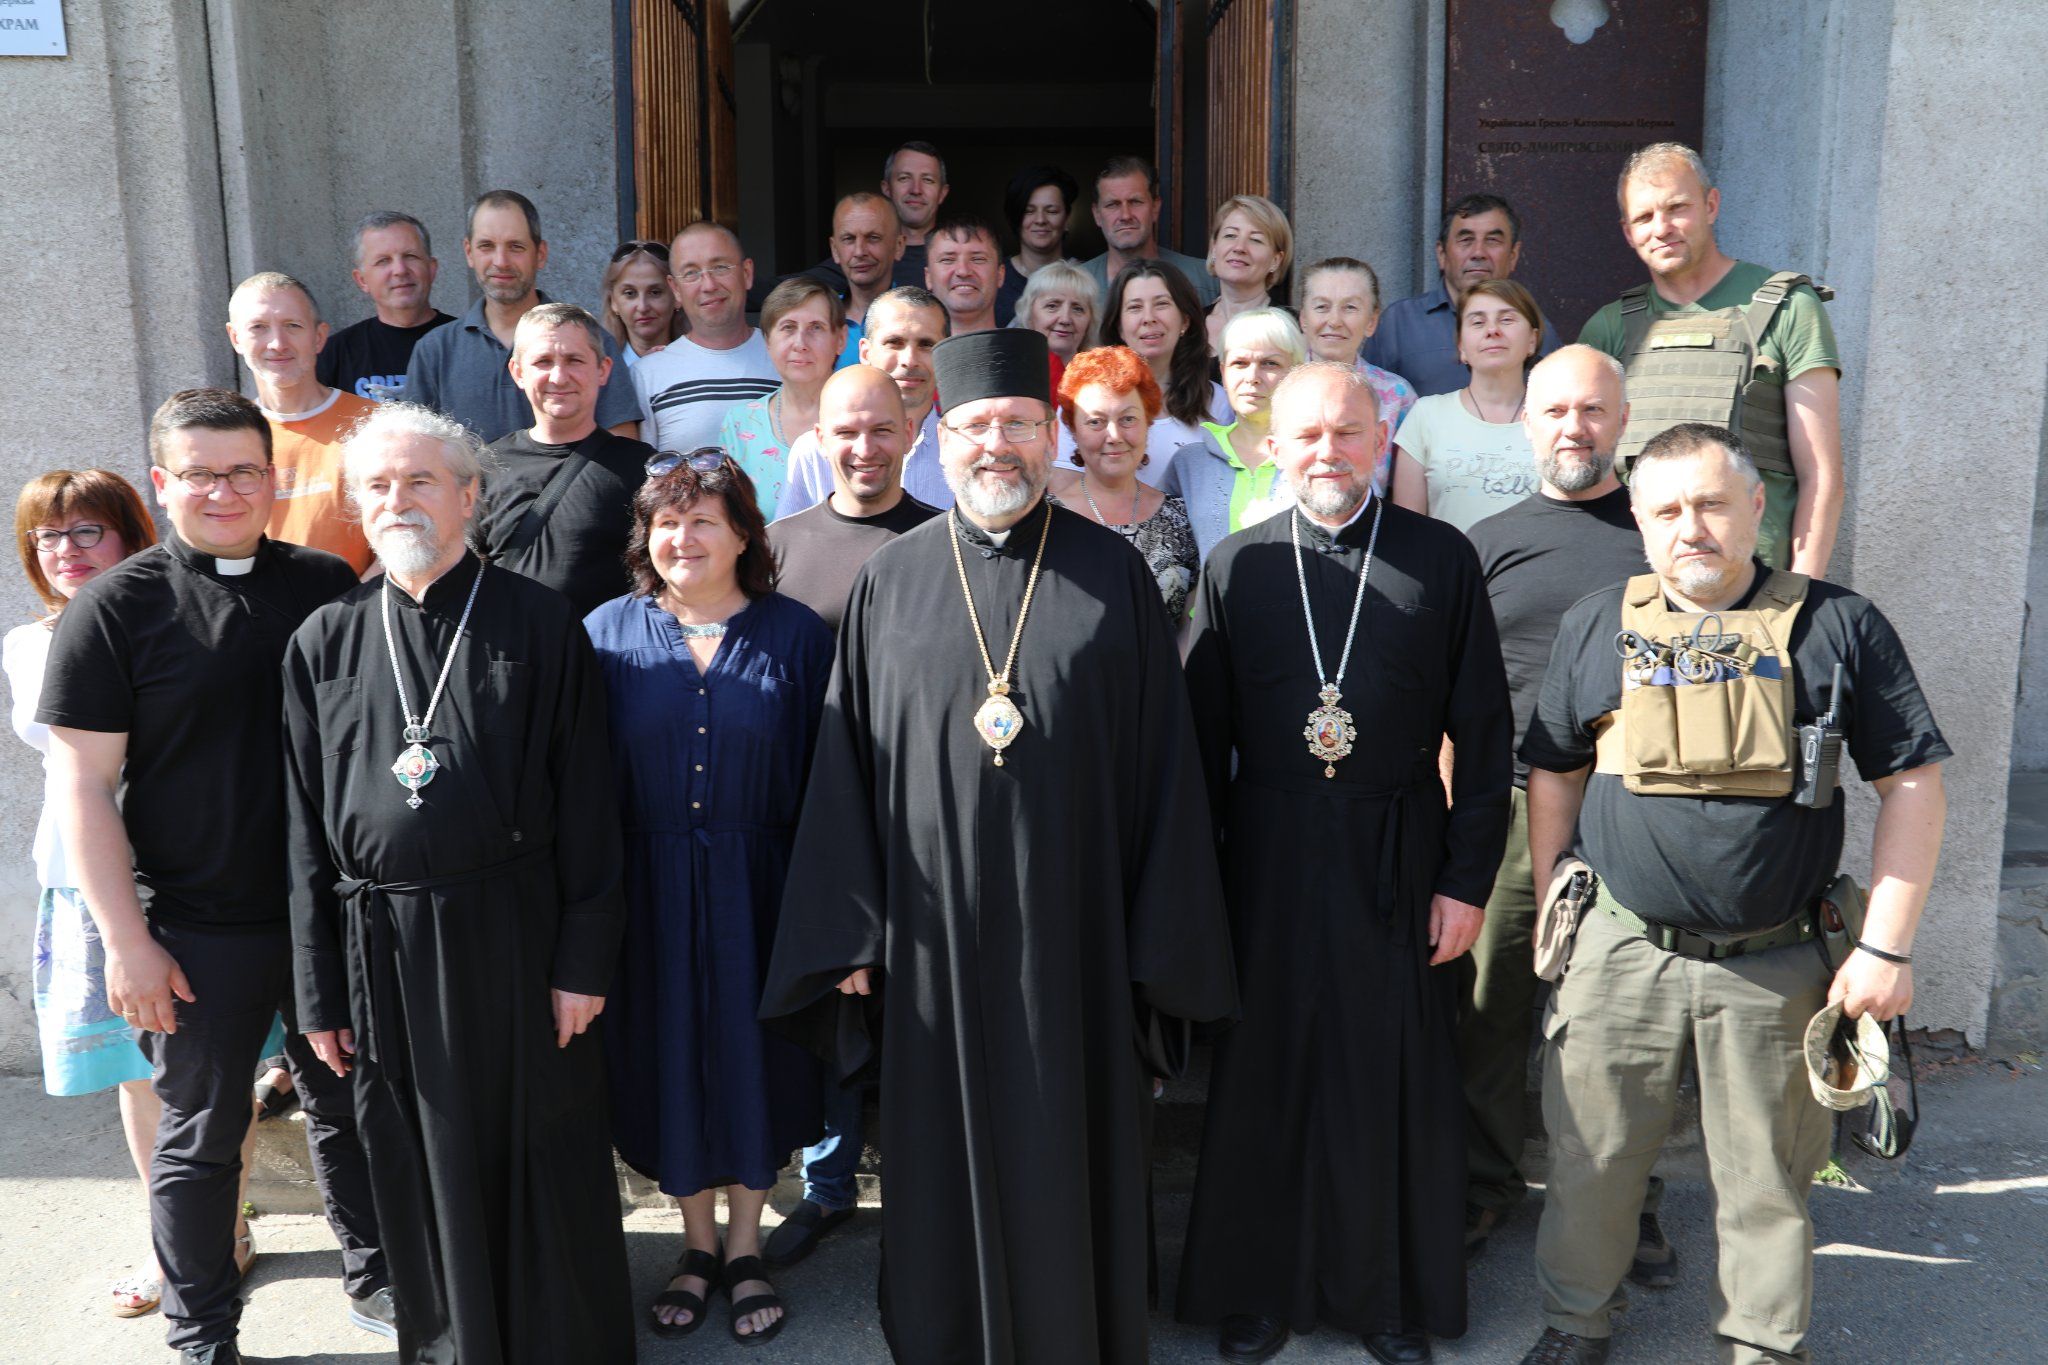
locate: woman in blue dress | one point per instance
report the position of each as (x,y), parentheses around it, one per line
(716,683)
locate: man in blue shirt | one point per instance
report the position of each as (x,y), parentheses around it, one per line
(1480,239)
(462,370)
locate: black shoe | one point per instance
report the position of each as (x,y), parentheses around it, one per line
(1397,1348)
(1247,1340)
(807,1225)
(1656,1263)
(220,1353)
(376,1313)
(1562,1348)
(1479,1225)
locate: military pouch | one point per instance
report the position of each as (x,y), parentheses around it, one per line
(1557,918)
(1842,908)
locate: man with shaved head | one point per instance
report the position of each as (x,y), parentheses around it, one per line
(1571,537)
(275,326)
(1327,1193)
(464,369)
(687,386)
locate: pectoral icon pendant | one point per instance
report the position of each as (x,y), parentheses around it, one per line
(998,721)
(415,767)
(1330,731)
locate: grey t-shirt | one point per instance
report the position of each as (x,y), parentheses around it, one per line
(460,369)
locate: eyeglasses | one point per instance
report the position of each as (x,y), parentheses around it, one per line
(83,536)
(655,249)
(1014,431)
(720,272)
(704,460)
(243,478)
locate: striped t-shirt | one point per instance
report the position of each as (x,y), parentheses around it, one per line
(686,389)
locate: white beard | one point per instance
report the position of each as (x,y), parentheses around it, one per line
(1326,502)
(992,504)
(407,550)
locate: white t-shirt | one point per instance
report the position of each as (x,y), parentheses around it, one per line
(1474,468)
(686,389)
(1167,435)
(24,652)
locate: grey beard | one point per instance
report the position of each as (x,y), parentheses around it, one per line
(407,552)
(1328,503)
(992,504)
(1574,476)
(1697,581)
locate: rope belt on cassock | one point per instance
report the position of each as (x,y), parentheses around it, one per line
(366,911)
(1402,828)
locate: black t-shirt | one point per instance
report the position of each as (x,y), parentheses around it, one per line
(1720,864)
(371,352)
(186,662)
(581,549)
(1540,556)
(819,551)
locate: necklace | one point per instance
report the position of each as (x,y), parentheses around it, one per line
(1129,532)
(416,767)
(998,721)
(1479,411)
(1330,731)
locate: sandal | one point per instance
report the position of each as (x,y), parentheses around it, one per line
(273,1102)
(736,1273)
(245,1254)
(142,1292)
(705,1266)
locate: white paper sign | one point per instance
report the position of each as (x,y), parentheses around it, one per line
(32,28)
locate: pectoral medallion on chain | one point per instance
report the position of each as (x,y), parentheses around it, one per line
(415,767)
(998,722)
(1330,731)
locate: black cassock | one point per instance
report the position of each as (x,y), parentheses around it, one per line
(1027,921)
(437,933)
(1332,1180)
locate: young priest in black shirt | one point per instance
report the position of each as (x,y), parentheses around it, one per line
(165,675)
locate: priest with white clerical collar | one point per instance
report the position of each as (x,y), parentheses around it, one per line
(1334,650)
(456,913)
(1003,892)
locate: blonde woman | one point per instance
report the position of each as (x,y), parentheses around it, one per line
(1250,245)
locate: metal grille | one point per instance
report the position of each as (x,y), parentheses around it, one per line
(685,167)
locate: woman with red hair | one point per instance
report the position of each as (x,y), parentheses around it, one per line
(1109,399)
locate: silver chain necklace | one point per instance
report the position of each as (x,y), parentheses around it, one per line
(1127,532)
(416,767)
(1330,731)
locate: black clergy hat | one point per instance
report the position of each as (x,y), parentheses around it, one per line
(1008,362)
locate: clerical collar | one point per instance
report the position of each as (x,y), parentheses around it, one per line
(213,564)
(976,535)
(333,396)
(1332,537)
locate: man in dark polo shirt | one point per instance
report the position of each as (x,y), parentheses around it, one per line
(863,434)
(395,268)
(1572,537)
(1707,869)
(165,676)
(558,498)
(463,369)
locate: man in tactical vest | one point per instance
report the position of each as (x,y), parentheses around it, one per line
(1713,339)
(1667,793)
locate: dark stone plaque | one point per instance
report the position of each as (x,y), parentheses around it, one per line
(1542,105)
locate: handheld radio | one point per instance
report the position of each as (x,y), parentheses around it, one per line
(1820,753)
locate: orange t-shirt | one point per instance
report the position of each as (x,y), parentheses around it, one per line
(312,504)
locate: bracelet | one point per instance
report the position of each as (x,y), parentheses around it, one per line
(1900,959)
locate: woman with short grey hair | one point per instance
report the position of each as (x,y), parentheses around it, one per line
(1226,478)
(1062,301)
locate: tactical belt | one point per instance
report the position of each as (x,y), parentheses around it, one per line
(1801,928)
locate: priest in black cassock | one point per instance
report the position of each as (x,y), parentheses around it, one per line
(1002,880)
(456,913)
(1334,649)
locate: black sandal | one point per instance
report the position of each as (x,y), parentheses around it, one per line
(750,1268)
(705,1266)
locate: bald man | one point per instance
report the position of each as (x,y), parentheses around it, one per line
(1573,536)
(687,386)
(275,327)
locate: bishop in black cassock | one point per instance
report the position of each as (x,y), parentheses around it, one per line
(1025,928)
(1332,1178)
(449,938)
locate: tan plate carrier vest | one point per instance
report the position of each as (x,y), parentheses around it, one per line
(1729,737)
(1707,367)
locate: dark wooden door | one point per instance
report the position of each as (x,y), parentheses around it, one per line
(1225,77)
(685,166)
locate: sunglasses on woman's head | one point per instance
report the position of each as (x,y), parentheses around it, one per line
(628,248)
(704,459)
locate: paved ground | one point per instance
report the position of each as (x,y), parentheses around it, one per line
(1941,1258)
